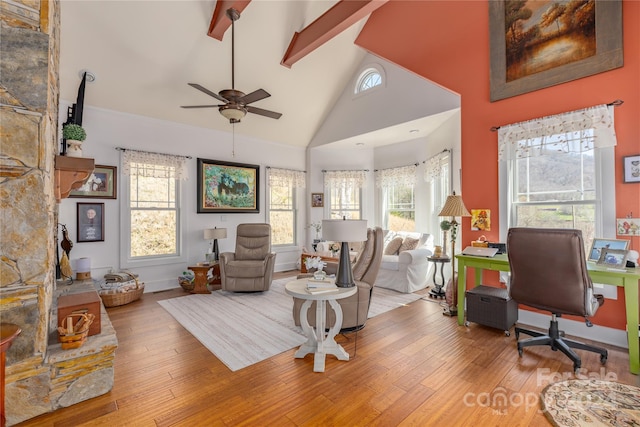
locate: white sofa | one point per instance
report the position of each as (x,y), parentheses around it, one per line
(408,270)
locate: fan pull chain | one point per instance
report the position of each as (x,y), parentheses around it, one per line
(233,138)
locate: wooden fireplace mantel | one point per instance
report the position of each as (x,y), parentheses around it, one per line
(71,173)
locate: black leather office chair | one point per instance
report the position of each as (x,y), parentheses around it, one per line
(549,272)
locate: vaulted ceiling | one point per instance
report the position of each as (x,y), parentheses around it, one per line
(144,53)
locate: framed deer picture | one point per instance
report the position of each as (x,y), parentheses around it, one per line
(225,187)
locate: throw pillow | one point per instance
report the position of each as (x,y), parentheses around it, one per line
(393,246)
(408,244)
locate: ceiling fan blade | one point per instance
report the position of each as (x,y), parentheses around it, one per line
(200,106)
(207,91)
(254,96)
(266,113)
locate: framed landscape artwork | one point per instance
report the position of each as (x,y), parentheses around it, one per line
(101,184)
(225,187)
(537,44)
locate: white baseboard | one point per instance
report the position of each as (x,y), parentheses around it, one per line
(601,334)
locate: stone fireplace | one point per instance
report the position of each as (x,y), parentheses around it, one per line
(39,376)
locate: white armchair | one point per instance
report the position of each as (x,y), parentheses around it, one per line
(408,270)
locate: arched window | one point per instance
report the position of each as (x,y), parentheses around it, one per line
(370,78)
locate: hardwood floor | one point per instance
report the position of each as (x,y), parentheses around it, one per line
(410,366)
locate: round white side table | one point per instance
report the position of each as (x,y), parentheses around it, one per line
(319,342)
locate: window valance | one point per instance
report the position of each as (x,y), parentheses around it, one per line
(154,165)
(405,175)
(345,179)
(287,178)
(435,165)
(574,131)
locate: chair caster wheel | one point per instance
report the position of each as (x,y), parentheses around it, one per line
(466,323)
(507,333)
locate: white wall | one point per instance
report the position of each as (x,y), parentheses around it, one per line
(107,130)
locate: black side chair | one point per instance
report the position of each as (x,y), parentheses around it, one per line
(549,272)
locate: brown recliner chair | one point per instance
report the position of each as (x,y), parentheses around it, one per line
(549,272)
(250,267)
(355,309)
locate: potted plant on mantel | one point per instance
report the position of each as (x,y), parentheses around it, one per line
(74,135)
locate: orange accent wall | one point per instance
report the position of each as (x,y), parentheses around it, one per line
(447,42)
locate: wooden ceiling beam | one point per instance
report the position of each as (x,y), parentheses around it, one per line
(341,16)
(220,22)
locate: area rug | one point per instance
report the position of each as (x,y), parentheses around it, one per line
(591,402)
(245,328)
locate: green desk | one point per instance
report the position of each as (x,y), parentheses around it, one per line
(628,280)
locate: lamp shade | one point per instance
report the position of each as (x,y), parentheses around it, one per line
(454,206)
(215,233)
(344,230)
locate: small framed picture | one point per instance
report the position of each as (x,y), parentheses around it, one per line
(101,184)
(599,245)
(317,200)
(632,168)
(90,222)
(613,258)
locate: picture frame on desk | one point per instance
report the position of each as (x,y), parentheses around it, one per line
(613,258)
(600,244)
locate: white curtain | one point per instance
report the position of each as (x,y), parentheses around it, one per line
(345,179)
(435,165)
(287,178)
(405,175)
(154,165)
(574,131)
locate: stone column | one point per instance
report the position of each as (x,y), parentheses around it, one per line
(29,94)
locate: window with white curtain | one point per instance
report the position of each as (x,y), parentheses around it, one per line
(344,190)
(282,212)
(437,172)
(151,226)
(557,172)
(398,197)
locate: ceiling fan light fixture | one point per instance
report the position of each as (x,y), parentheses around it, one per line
(234,113)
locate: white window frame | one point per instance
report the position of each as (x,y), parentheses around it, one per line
(294,203)
(125,231)
(342,211)
(367,70)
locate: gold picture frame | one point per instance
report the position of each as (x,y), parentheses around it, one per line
(608,39)
(317,200)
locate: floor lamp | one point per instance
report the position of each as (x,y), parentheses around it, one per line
(345,231)
(453,207)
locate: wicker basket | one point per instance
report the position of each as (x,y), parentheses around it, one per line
(122,298)
(74,329)
(187,283)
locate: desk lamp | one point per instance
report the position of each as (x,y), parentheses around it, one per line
(453,207)
(345,231)
(213,234)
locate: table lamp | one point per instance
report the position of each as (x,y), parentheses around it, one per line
(453,207)
(213,234)
(345,231)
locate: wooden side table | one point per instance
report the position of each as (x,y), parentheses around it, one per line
(8,333)
(200,280)
(319,343)
(437,292)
